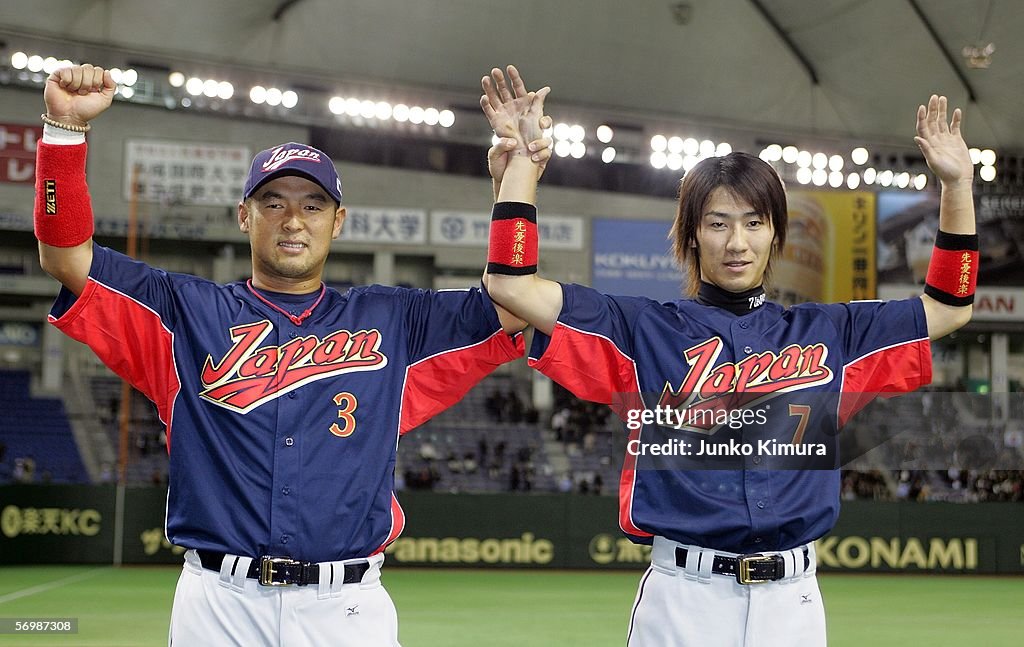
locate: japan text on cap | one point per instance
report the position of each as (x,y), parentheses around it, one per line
(293,159)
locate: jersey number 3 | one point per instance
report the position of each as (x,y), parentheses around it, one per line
(347,404)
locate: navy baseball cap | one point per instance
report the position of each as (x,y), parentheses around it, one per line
(293,159)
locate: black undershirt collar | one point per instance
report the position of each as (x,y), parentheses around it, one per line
(738,303)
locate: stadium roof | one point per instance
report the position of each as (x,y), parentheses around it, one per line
(847,68)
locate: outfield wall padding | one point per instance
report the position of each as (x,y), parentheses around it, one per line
(75,524)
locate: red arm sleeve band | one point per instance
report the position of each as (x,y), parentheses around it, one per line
(953,269)
(513,242)
(63,212)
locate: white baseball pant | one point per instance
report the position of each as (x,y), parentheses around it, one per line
(221,609)
(689,606)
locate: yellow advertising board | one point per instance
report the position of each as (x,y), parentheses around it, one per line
(830,248)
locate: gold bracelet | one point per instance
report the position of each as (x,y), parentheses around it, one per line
(60,124)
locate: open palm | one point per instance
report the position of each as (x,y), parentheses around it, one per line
(941,142)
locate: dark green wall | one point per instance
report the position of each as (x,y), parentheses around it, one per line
(46,524)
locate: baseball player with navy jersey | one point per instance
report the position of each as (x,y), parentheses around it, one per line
(733,560)
(284,400)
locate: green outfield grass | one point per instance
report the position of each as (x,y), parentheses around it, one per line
(459,608)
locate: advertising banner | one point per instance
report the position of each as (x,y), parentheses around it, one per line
(184,172)
(924,537)
(632,258)
(471,229)
(18,152)
(75,524)
(393,226)
(1002,304)
(56,524)
(829,254)
(907,223)
(19,333)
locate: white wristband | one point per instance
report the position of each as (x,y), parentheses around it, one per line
(64,137)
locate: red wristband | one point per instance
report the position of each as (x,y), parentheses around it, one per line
(63,213)
(513,240)
(953,269)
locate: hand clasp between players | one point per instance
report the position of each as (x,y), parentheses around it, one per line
(517,114)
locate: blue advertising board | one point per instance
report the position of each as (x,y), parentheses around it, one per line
(633,257)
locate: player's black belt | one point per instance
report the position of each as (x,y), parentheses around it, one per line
(747,569)
(282,571)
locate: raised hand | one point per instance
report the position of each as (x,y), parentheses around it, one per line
(75,95)
(513,112)
(941,142)
(517,118)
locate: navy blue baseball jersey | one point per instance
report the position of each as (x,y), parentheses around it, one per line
(824,361)
(284,413)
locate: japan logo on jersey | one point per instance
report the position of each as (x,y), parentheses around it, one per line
(248,376)
(755,379)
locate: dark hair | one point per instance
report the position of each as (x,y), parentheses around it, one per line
(748,178)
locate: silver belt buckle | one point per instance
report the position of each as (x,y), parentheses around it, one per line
(267,570)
